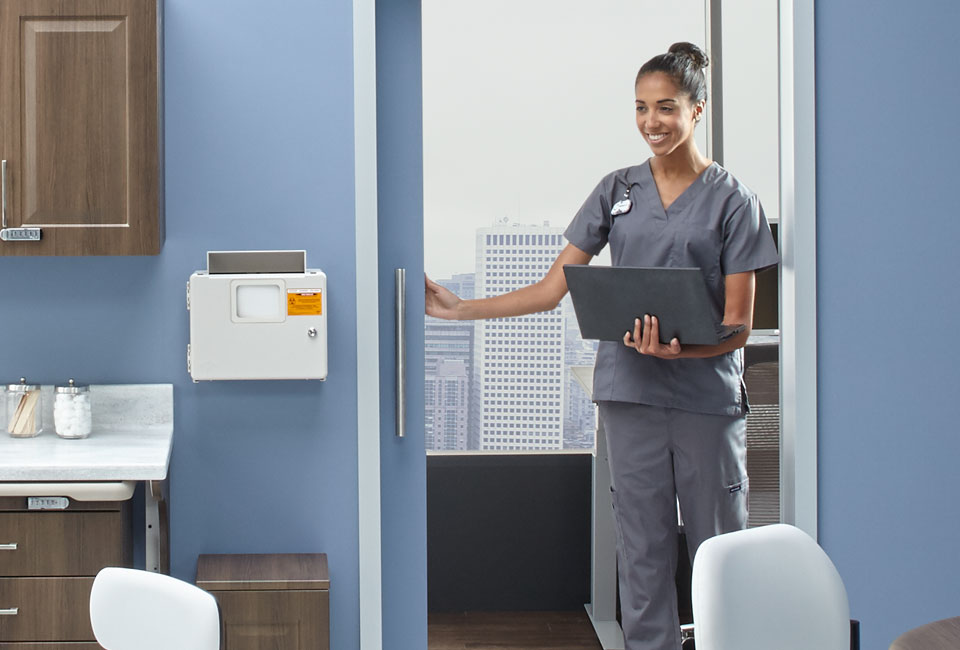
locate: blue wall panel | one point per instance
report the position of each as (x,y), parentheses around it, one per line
(259,155)
(888,229)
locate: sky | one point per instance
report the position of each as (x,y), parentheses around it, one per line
(527,104)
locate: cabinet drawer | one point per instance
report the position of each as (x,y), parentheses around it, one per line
(47,609)
(61,543)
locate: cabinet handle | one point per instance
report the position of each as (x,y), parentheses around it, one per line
(400,283)
(8,547)
(11,611)
(3,192)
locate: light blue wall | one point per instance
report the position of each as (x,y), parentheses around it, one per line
(888,231)
(259,153)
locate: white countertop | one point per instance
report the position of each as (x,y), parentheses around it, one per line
(131,439)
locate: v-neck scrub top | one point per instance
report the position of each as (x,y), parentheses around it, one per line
(716,224)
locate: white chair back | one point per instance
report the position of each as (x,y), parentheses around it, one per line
(768,587)
(140,610)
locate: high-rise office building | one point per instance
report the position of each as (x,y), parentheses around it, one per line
(446,400)
(580,413)
(448,360)
(519,362)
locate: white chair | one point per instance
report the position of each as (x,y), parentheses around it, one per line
(768,588)
(140,610)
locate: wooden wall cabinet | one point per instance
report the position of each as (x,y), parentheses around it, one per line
(81,126)
(270,601)
(48,559)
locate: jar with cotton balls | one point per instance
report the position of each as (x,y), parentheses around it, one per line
(72,416)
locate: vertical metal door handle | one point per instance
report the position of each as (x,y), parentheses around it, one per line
(11,611)
(8,547)
(3,192)
(400,278)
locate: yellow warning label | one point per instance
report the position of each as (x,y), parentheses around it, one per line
(304,302)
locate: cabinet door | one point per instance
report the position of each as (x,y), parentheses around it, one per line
(79,125)
(294,620)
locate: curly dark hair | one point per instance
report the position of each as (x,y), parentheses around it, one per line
(684,63)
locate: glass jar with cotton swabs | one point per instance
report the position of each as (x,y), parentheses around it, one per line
(23,408)
(71,411)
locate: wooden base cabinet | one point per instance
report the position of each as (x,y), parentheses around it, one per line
(48,559)
(279,601)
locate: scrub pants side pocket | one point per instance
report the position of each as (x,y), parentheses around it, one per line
(711,472)
(738,506)
(615,511)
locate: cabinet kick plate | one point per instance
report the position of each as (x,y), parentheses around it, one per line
(20,234)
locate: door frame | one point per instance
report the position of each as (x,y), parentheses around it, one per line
(798,267)
(368,323)
(798,320)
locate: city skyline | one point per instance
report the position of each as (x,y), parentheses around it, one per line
(505,384)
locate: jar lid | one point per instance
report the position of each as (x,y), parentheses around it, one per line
(22,387)
(72,388)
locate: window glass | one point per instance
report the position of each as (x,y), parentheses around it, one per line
(526,106)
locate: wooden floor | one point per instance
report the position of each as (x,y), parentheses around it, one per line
(511,631)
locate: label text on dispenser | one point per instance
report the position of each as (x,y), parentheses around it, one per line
(304,302)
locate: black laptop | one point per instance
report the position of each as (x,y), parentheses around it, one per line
(607,299)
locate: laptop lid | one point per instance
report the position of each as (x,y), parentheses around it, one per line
(607,299)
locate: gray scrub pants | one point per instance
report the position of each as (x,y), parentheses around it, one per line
(658,455)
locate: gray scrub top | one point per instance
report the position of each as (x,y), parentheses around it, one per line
(716,224)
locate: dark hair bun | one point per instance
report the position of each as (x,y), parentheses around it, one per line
(697,56)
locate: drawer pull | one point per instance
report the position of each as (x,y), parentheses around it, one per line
(8,547)
(11,611)
(3,194)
